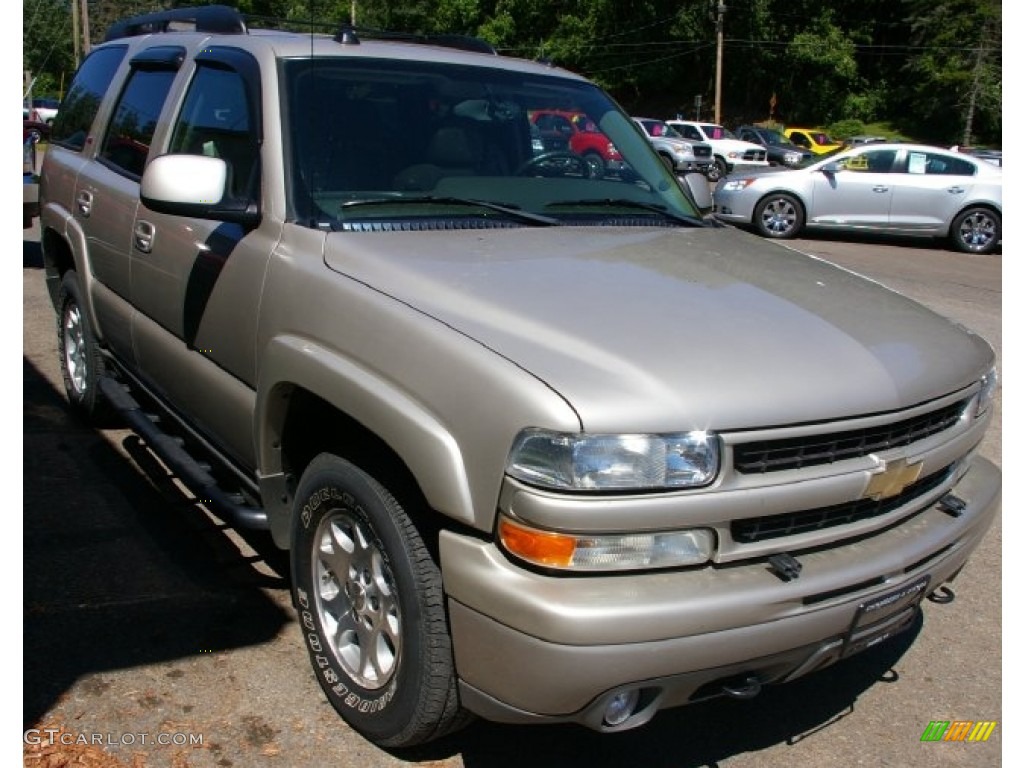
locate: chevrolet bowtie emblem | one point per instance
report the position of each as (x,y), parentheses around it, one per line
(892,480)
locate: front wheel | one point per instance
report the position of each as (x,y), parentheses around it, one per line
(976,230)
(717,170)
(779,216)
(371,607)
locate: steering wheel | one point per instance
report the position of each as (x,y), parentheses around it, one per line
(558,161)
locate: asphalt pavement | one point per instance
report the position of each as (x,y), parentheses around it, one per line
(163,639)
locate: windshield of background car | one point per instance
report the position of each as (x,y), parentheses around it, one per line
(376,143)
(715,132)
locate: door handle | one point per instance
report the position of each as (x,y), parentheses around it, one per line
(880,188)
(143,236)
(84,203)
(955,190)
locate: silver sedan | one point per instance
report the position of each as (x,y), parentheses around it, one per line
(903,189)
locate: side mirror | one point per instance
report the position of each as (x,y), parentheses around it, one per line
(194,186)
(833,167)
(699,190)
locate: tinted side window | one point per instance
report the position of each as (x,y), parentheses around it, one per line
(938,165)
(126,145)
(82,102)
(217,121)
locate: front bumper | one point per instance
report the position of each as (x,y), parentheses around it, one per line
(536,648)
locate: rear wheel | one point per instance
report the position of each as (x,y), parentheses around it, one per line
(976,230)
(81,361)
(595,165)
(779,215)
(371,606)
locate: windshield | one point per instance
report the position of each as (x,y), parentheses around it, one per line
(715,132)
(406,141)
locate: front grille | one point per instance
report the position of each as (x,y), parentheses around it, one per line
(754,154)
(754,529)
(797,452)
(702,151)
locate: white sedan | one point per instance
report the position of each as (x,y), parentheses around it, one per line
(901,189)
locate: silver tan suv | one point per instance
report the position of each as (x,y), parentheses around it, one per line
(544,446)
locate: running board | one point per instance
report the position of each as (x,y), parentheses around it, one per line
(192,473)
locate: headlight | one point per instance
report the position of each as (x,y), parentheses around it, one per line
(686,148)
(606,552)
(986,394)
(735,185)
(578,462)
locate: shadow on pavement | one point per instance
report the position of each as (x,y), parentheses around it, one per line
(119,573)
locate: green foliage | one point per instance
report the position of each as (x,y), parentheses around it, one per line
(932,66)
(844,129)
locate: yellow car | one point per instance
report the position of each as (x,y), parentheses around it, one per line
(813,139)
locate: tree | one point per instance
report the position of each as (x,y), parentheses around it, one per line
(47,45)
(954,83)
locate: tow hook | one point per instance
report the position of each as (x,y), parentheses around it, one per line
(942,595)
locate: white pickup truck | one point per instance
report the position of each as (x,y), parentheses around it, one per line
(730,153)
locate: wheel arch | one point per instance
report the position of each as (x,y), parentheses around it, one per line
(988,206)
(326,404)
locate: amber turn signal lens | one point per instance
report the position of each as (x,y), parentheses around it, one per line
(539,547)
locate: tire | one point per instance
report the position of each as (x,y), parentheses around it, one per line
(976,230)
(595,165)
(377,635)
(779,216)
(718,170)
(81,362)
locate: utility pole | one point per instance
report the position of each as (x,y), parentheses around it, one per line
(75,36)
(86,45)
(719,23)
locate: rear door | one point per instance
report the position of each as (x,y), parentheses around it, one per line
(929,190)
(107,188)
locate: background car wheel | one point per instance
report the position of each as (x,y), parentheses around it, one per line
(718,170)
(371,606)
(779,216)
(81,362)
(976,230)
(595,165)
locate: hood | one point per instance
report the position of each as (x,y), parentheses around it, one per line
(671,329)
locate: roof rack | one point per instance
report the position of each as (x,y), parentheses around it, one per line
(219,19)
(349,35)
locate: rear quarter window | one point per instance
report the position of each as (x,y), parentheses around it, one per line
(93,80)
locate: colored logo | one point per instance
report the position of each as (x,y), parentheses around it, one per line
(958,730)
(891,482)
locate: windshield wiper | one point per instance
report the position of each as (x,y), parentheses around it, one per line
(507,210)
(692,221)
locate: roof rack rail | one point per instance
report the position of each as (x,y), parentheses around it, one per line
(219,19)
(349,35)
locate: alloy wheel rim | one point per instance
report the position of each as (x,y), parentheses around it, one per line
(977,231)
(778,217)
(357,601)
(75,358)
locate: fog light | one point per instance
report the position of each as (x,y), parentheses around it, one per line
(620,707)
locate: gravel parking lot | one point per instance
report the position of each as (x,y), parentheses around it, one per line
(149,626)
